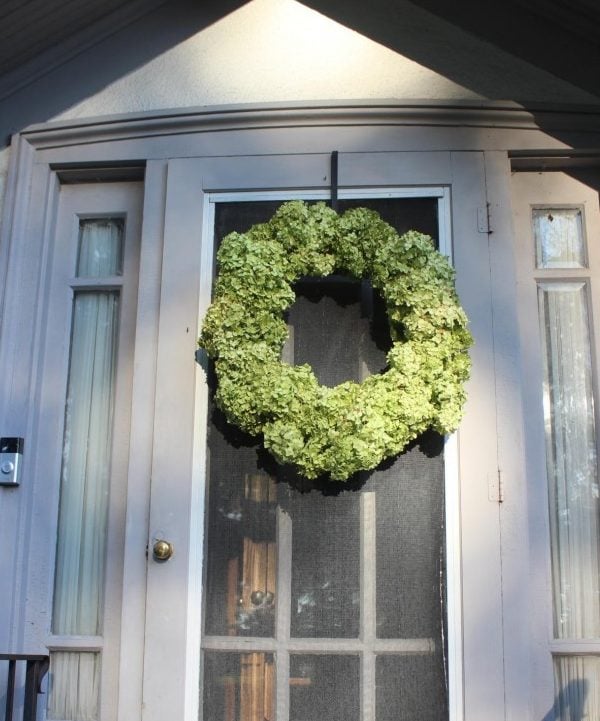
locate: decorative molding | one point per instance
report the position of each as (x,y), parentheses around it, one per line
(473,114)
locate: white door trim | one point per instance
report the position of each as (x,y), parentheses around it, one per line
(196,247)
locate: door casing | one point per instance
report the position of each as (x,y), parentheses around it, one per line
(173,622)
(379,147)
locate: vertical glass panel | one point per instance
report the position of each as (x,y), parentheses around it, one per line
(79,574)
(577,688)
(325,565)
(571,459)
(328,330)
(241,544)
(410,687)
(410,542)
(73,686)
(332,329)
(559,237)
(239,686)
(4,666)
(324,687)
(100,247)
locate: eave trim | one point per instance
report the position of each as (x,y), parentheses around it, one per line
(493,114)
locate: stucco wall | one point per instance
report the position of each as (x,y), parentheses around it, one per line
(183,54)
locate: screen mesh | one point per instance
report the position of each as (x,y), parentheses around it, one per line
(324,687)
(239,686)
(410,542)
(409,688)
(291,558)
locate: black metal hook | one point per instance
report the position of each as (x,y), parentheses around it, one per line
(334,180)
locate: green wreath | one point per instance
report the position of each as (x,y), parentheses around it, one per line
(353,426)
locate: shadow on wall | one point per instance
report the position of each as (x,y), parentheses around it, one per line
(113,58)
(502,51)
(569,705)
(569,50)
(446,44)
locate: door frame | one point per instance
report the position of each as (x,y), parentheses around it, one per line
(379,144)
(451,474)
(194,185)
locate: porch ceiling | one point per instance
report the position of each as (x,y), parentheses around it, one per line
(29,27)
(560,36)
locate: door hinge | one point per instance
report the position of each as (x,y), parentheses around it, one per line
(483,219)
(496,486)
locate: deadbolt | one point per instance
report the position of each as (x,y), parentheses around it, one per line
(162,550)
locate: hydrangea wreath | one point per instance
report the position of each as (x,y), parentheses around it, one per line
(353,426)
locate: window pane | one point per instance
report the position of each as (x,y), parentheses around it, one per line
(559,237)
(79,573)
(100,247)
(340,328)
(241,542)
(238,686)
(325,565)
(73,686)
(329,331)
(324,687)
(410,687)
(333,330)
(410,543)
(571,459)
(577,687)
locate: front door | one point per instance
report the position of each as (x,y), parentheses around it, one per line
(282,599)
(304,614)
(285,599)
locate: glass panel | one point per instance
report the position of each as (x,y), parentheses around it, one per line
(571,459)
(238,686)
(3,683)
(79,574)
(324,687)
(559,238)
(330,328)
(410,543)
(577,687)
(325,565)
(410,687)
(100,247)
(339,327)
(242,548)
(73,686)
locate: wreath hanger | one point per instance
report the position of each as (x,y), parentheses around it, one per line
(366,288)
(334,181)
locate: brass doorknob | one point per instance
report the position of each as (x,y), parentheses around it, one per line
(162,550)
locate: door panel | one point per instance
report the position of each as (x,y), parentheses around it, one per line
(267,615)
(299,565)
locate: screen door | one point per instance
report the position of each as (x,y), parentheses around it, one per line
(323,600)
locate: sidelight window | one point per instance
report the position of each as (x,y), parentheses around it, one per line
(85,478)
(571,453)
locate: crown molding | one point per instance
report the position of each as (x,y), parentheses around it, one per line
(493,114)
